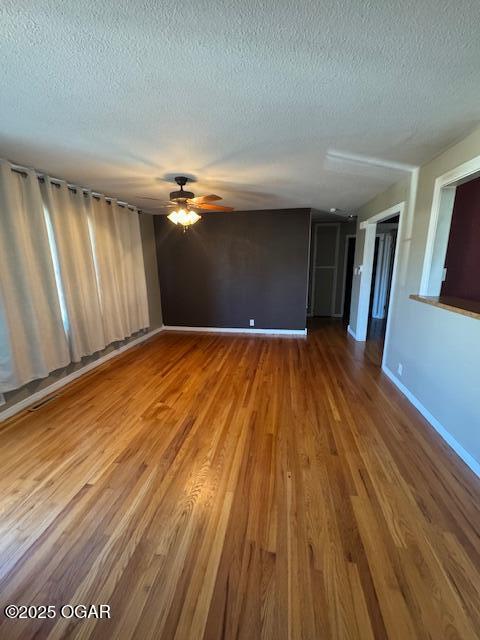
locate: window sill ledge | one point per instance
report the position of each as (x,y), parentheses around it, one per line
(469,308)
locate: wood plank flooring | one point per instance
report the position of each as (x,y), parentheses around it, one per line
(209,486)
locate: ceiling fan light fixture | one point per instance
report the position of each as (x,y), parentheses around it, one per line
(193,217)
(173,217)
(182,201)
(184,217)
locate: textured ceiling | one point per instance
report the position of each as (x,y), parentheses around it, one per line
(254,98)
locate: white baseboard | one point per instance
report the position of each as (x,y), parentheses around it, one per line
(273,332)
(440,429)
(351,332)
(39,395)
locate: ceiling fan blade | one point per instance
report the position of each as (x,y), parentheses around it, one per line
(167,205)
(204,199)
(147,198)
(212,207)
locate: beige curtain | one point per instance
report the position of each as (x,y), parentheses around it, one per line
(32,336)
(142,317)
(108,252)
(120,269)
(134,270)
(69,215)
(72,276)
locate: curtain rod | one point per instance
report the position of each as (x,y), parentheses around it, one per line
(23,171)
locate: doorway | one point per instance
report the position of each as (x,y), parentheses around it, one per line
(381,284)
(393,216)
(350,241)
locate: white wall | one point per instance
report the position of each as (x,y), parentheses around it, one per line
(439,349)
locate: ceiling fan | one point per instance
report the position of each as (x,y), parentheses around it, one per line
(184,204)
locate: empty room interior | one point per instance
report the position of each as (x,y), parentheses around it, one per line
(239,320)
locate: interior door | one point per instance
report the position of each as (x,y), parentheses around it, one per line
(324,282)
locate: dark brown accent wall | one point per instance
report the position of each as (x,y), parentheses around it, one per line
(231,267)
(463,252)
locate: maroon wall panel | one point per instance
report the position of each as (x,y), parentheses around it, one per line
(463,252)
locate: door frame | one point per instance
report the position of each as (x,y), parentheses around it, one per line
(370,228)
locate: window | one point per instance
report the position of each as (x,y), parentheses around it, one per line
(461,278)
(452,259)
(56,267)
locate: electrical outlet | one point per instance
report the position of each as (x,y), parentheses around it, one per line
(252,322)
(400,369)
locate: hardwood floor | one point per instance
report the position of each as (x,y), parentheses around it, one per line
(376,340)
(209,486)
